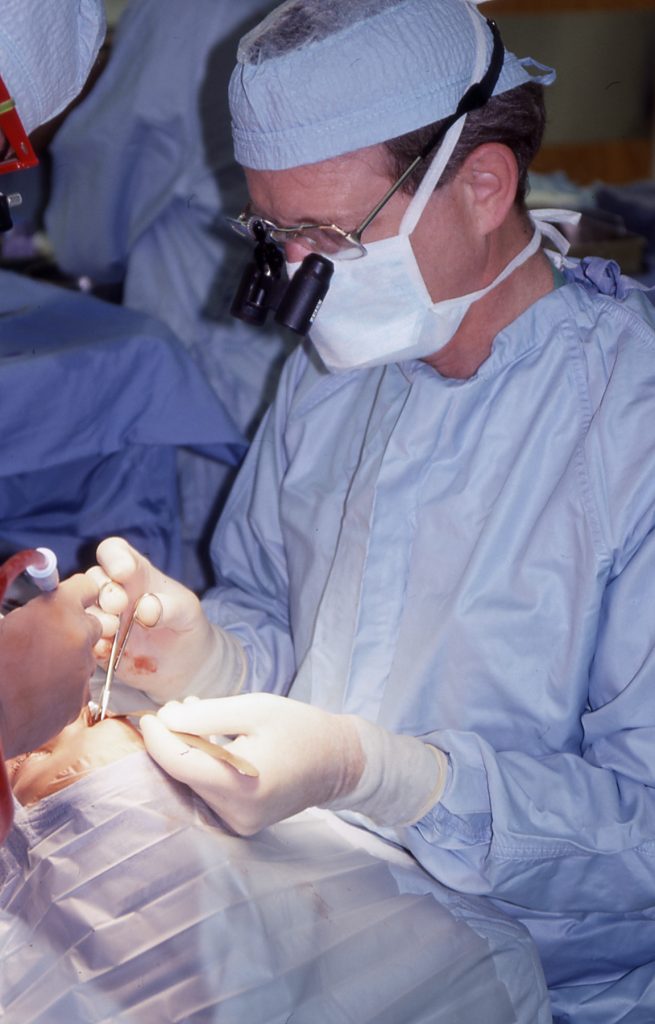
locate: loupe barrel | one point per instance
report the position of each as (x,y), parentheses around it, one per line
(254,296)
(305,293)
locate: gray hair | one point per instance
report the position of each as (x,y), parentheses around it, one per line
(299,23)
(516,119)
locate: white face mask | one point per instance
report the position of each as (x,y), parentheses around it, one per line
(378,309)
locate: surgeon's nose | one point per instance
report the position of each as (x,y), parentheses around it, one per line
(295,252)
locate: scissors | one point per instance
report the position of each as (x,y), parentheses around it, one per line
(115,656)
(109,678)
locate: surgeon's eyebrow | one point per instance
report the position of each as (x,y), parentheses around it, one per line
(253,211)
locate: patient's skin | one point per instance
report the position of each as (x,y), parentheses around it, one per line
(75,751)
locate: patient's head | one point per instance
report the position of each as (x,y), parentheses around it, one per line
(75,751)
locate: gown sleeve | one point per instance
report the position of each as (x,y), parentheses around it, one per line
(566,831)
(251,598)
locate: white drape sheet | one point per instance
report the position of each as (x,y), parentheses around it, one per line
(123,898)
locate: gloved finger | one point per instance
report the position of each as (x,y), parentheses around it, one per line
(112,598)
(225,716)
(98,576)
(118,559)
(95,626)
(149,610)
(79,588)
(185,763)
(176,609)
(104,588)
(102,650)
(108,623)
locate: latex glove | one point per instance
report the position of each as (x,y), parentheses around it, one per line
(46,661)
(173,648)
(305,757)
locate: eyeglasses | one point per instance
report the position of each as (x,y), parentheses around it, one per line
(337,243)
(326,239)
(17,153)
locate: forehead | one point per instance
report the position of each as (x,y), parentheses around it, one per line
(331,191)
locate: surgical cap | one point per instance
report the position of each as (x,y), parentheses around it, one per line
(318,78)
(47,48)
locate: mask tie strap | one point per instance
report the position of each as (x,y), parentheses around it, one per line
(444,152)
(521,257)
(544,221)
(431,178)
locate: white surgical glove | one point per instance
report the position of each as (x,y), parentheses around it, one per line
(305,757)
(173,649)
(403,777)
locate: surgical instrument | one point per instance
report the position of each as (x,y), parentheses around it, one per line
(214,750)
(111,665)
(133,618)
(114,657)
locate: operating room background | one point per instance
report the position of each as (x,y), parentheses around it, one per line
(600,110)
(603,53)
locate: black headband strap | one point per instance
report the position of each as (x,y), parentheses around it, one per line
(477,94)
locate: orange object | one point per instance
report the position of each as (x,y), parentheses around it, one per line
(19,153)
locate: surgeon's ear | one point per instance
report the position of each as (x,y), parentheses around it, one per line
(489,177)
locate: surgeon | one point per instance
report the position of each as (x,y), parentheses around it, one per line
(47,48)
(436,568)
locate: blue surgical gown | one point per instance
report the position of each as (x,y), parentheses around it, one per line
(473,562)
(95,403)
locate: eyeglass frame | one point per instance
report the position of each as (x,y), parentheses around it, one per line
(21,154)
(474,98)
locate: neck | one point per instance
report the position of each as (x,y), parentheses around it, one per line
(472,344)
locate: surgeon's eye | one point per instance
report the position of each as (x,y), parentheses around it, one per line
(325,240)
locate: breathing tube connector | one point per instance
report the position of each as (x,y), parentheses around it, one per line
(39,563)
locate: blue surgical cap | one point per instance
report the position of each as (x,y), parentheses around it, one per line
(47,49)
(318,78)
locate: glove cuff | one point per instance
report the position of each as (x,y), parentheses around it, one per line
(223,670)
(403,777)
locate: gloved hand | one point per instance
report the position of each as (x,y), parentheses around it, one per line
(173,648)
(46,661)
(305,757)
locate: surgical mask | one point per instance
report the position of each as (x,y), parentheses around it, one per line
(378,309)
(47,49)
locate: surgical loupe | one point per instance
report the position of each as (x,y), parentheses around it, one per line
(264,286)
